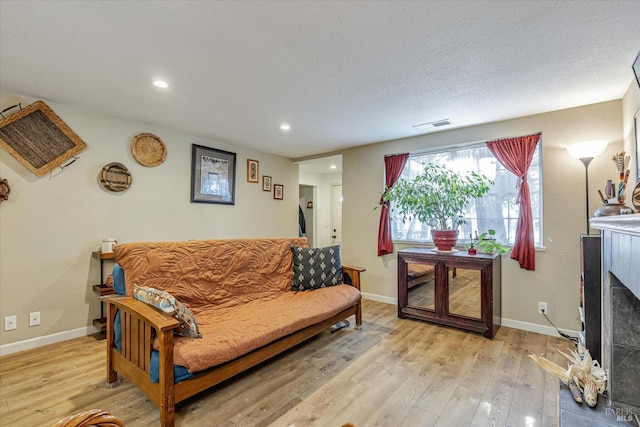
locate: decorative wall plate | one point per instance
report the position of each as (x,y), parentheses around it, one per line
(4,190)
(148,149)
(115,177)
(635,198)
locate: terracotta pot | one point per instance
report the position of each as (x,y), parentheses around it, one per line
(444,240)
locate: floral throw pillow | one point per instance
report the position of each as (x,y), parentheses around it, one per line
(315,268)
(167,303)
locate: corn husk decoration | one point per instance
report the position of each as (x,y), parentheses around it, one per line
(584,376)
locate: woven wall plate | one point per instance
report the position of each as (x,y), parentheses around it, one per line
(148,149)
(115,177)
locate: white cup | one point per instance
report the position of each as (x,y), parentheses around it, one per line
(107,245)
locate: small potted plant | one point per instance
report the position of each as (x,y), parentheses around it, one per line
(487,243)
(438,197)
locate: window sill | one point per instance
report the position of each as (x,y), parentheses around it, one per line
(417,244)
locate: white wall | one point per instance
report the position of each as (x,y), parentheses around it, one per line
(50,225)
(556,278)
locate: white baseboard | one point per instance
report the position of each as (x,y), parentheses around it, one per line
(47,339)
(515,324)
(380,298)
(534,327)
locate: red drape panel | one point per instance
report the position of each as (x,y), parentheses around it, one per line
(393,166)
(516,154)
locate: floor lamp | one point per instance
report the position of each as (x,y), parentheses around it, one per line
(585,152)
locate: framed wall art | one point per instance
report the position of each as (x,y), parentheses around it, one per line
(266,183)
(252,170)
(278,191)
(213,175)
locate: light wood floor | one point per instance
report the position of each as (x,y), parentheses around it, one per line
(393,372)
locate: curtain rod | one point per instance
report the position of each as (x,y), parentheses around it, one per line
(462,144)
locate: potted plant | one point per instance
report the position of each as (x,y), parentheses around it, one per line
(487,243)
(438,197)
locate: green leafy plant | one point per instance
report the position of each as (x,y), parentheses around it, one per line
(487,242)
(438,196)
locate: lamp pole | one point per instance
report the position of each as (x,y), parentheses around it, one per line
(586,161)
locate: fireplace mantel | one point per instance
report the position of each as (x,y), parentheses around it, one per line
(628,224)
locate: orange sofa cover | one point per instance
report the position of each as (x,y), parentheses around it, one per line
(239,291)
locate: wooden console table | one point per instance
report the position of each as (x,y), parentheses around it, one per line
(471,300)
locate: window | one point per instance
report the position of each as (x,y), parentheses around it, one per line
(497,210)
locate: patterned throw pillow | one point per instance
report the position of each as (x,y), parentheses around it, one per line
(315,268)
(167,303)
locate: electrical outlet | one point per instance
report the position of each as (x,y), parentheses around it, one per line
(34,318)
(542,308)
(10,323)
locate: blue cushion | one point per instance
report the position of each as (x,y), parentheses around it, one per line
(180,373)
(119,287)
(118,280)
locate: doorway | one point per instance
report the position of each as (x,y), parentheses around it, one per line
(306,217)
(324,177)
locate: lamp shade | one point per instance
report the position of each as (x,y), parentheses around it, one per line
(585,149)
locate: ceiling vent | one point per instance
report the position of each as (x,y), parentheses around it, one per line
(432,125)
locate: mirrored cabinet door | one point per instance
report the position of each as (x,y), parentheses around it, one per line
(464,293)
(421,285)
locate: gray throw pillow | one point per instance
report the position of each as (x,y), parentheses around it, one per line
(315,268)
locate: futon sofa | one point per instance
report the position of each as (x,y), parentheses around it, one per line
(245,301)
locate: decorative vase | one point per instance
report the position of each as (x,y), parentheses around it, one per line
(444,240)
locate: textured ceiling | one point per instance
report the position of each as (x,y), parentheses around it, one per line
(340,73)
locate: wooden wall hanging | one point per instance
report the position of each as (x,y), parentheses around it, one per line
(148,149)
(4,190)
(115,177)
(39,139)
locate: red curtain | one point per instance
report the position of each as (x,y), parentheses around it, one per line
(393,166)
(516,154)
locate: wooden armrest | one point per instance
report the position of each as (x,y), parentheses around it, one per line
(354,274)
(351,267)
(161,321)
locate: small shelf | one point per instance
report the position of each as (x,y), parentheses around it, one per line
(104,255)
(100,323)
(104,289)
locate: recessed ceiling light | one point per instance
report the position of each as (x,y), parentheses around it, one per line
(285,127)
(332,167)
(161,84)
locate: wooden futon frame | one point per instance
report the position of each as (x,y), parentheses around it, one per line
(139,320)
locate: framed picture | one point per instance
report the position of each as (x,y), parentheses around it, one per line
(278,191)
(213,175)
(266,183)
(636,128)
(252,170)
